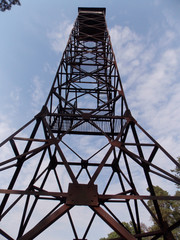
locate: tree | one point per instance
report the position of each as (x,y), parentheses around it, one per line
(169,209)
(164,205)
(130,228)
(177,172)
(111,235)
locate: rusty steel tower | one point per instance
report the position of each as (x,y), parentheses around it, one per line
(84,151)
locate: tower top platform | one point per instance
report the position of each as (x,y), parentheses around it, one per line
(92,10)
(91,24)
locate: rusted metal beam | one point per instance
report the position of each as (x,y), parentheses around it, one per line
(45,223)
(4,234)
(104,197)
(113,223)
(87,70)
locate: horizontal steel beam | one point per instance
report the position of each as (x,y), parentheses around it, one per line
(100,196)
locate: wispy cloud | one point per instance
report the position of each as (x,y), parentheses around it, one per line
(150,75)
(49,69)
(37,94)
(59,35)
(5,127)
(14,95)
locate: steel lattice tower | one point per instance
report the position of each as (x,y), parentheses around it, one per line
(83,150)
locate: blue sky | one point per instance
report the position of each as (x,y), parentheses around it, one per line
(146,39)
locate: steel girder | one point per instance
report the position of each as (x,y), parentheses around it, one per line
(84,150)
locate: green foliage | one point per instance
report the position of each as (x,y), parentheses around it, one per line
(164,205)
(111,235)
(169,209)
(130,228)
(177,171)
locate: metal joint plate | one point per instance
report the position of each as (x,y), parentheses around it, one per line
(82,194)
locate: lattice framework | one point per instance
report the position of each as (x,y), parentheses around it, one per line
(84,149)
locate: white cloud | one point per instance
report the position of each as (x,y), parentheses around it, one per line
(150,74)
(127,45)
(6,127)
(59,35)
(14,95)
(151,78)
(157,2)
(49,69)
(38,94)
